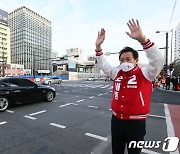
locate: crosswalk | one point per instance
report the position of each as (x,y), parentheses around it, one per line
(109,86)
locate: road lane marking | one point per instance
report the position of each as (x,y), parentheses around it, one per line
(110,87)
(57,125)
(110,109)
(149,151)
(39,112)
(157,116)
(57,93)
(29,117)
(93,107)
(55,101)
(170,127)
(92,97)
(2,123)
(66,91)
(100,148)
(65,105)
(9,111)
(68,104)
(96,136)
(105,86)
(100,94)
(73,104)
(80,100)
(106,93)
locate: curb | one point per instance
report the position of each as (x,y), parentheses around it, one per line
(168,90)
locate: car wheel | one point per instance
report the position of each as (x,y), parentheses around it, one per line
(49,82)
(59,82)
(4,103)
(49,96)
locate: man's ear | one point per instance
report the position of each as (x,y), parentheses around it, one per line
(137,60)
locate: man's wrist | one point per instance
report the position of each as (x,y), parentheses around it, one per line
(98,47)
(143,40)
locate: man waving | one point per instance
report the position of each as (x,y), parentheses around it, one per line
(132,88)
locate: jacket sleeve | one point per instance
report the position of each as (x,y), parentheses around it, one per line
(105,66)
(155,59)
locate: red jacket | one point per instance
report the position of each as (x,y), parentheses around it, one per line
(131,95)
(132,90)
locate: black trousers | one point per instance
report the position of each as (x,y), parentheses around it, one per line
(125,131)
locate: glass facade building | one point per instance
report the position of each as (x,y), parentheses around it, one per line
(31,39)
(177,43)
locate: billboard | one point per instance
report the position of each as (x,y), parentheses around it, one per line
(3,17)
(71,65)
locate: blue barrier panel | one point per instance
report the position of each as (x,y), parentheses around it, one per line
(63,77)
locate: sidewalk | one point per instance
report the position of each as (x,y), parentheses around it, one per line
(160,88)
(175,117)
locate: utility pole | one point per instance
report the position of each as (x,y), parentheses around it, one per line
(166,51)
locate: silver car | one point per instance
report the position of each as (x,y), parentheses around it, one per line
(53,80)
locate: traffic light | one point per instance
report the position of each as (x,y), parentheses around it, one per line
(75,56)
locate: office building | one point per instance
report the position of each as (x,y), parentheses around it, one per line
(30,40)
(5,57)
(177,43)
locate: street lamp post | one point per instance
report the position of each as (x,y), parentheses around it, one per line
(166,50)
(166,62)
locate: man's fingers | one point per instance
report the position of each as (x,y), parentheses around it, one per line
(134,24)
(130,23)
(129,26)
(102,32)
(137,23)
(128,34)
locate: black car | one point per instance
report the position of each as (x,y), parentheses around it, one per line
(19,90)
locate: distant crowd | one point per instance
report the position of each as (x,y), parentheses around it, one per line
(168,83)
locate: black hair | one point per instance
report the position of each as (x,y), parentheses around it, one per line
(129,49)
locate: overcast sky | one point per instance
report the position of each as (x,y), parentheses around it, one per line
(75,23)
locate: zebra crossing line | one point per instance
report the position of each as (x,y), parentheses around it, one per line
(88,86)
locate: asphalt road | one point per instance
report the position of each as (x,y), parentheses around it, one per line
(76,122)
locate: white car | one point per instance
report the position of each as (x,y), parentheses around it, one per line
(53,80)
(90,78)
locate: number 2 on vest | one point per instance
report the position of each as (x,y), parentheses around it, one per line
(132,80)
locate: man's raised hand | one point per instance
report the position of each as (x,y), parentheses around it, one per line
(135,31)
(100,39)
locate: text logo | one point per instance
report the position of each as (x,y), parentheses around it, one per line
(170,144)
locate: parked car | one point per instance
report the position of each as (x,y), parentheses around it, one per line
(90,78)
(19,90)
(53,80)
(108,79)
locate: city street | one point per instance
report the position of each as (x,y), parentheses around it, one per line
(78,121)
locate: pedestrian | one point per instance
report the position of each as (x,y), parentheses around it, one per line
(163,82)
(168,82)
(174,81)
(132,88)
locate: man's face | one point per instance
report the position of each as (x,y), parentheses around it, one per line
(128,57)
